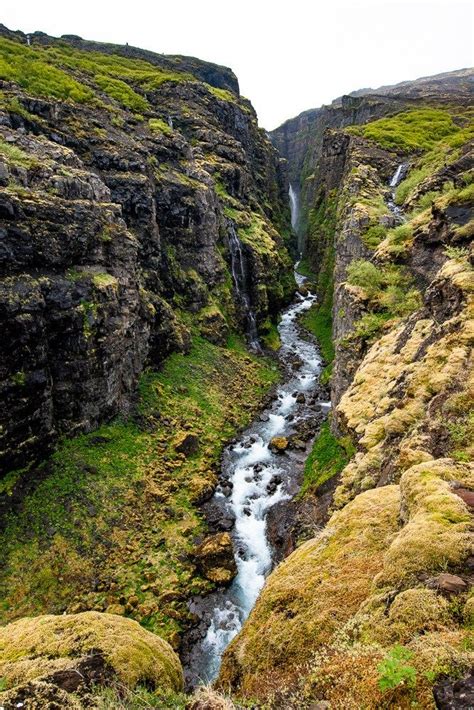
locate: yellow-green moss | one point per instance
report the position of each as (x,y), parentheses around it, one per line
(35,647)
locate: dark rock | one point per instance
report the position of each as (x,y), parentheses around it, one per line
(188,444)
(451,694)
(447,584)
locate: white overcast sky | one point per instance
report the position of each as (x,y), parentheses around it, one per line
(289,56)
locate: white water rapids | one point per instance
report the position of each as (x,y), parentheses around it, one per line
(254,479)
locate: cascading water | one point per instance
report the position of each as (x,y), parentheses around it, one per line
(240,279)
(293,206)
(396,179)
(254,478)
(295,215)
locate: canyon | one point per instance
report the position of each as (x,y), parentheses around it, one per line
(236,372)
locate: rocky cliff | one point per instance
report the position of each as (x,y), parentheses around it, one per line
(375,609)
(144,234)
(122,174)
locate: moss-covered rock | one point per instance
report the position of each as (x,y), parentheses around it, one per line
(215,557)
(332,612)
(54,648)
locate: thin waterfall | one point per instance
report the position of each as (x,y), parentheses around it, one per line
(240,277)
(395,180)
(295,216)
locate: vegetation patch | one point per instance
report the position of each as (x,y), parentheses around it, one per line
(389,291)
(26,67)
(157,125)
(328,457)
(409,131)
(121,92)
(110,522)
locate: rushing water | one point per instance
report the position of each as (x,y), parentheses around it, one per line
(240,278)
(396,179)
(253,479)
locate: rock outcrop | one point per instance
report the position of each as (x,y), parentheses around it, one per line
(121,174)
(58,659)
(365,614)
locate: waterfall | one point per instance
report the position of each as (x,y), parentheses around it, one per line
(295,216)
(293,207)
(240,278)
(395,180)
(399,174)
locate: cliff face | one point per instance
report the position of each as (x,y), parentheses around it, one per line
(121,174)
(300,140)
(375,610)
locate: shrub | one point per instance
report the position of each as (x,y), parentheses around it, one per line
(370,325)
(373,236)
(394,671)
(121,92)
(366,275)
(409,131)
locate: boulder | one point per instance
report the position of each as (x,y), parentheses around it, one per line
(52,655)
(279,444)
(187,444)
(215,558)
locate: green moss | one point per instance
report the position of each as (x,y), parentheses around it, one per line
(15,155)
(157,125)
(19,378)
(35,648)
(221,94)
(269,335)
(365,274)
(373,236)
(121,92)
(390,294)
(104,280)
(26,67)
(327,458)
(418,129)
(112,515)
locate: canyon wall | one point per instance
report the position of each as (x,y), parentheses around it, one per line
(374,609)
(122,174)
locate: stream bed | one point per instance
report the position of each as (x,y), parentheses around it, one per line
(254,478)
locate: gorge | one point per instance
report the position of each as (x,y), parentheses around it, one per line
(236,370)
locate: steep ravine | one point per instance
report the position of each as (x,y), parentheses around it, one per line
(260,470)
(178,501)
(375,610)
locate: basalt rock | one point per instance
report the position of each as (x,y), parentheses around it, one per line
(215,557)
(113,224)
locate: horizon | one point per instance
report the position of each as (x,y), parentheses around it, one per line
(404,52)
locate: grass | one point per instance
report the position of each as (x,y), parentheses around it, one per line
(157,125)
(122,93)
(26,67)
(15,155)
(389,291)
(110,521)
(409,131)
(327,458)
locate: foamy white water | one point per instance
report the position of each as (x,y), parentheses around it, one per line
(259,479)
